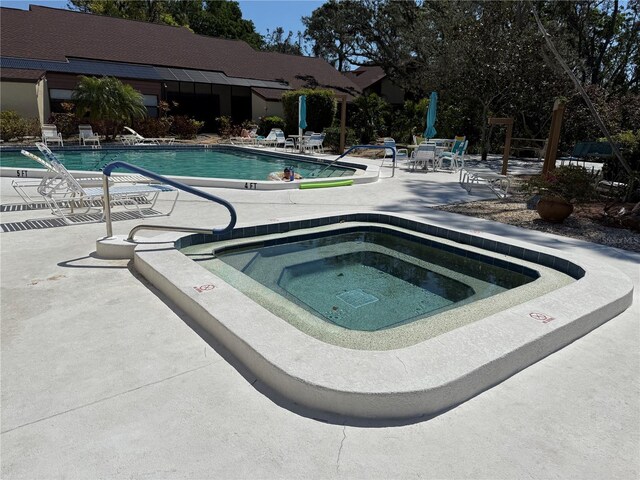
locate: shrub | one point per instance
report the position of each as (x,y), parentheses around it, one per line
(572,183)
(368,117)
(409,120)
(12,126)
(66,122)
(321,109)
(227,129)
(267,123)
(332,140)
(153,127)
(185,127)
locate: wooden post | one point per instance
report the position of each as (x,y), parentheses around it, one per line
(343,122)
(554,137)
(507,141)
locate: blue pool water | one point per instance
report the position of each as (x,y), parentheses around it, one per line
(208,163)
(371,280)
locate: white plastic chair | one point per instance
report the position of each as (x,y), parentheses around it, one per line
(423,155)
(86,135)
(50,135)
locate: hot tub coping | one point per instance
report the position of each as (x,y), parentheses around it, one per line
(408,382)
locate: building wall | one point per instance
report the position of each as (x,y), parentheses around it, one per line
(20,97)
(264,108)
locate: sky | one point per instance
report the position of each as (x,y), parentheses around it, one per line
(265,14)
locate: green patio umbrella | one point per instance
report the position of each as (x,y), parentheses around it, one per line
(430,132)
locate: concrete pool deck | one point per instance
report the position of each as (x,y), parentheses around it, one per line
(101,378)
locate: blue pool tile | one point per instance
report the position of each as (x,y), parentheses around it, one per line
(561,264)
(546,260)
(502,248)
(531,255)
(517,252)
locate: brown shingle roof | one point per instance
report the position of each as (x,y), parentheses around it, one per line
(19,74)
(366,76)
(53,34)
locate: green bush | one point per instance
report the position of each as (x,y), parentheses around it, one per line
(12,126)
(368,119)
(267,123)
(409,120)
(572,183)
(321,109)
(227,129)
(332,140)
(185,127)
(66,122)
(153,127)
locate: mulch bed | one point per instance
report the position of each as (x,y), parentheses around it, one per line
(595,222)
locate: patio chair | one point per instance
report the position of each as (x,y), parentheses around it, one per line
(401,153)
(50,135)
(64,194)
(422,156)
(455,157)
(314,143)
(86,135)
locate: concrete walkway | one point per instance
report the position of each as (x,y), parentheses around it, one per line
(104,378)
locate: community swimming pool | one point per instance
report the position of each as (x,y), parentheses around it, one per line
(216,162)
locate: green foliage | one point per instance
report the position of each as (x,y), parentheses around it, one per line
(368,119)
(227,129)
(332,140)
(409,121)
(108,99)
(277,42)
(185,128)
(572,183)
(321,109)
(629,145)
(153,127)
(333,29)
(12,126)
(267,123)
(66,122)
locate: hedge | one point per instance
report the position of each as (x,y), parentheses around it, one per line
(321,109)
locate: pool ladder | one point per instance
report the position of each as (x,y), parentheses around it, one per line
(180,186)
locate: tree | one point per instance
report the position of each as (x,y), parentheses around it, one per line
(109,100)
(333,29)
(276,42)
(368,117)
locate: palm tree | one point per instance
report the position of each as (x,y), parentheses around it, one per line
(109,100)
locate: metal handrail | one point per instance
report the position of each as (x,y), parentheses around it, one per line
(355,147)
(180,186)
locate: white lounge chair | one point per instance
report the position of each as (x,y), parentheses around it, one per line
(269,140)
(86,135)
(50,135)
(65,195)
(134,138)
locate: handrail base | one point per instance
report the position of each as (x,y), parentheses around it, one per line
(116,247)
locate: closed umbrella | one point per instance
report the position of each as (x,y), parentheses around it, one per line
(302,117)
(430,132)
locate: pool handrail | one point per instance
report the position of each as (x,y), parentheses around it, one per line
(356,147)
(180,186)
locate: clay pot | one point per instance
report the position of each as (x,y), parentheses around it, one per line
(554,209)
